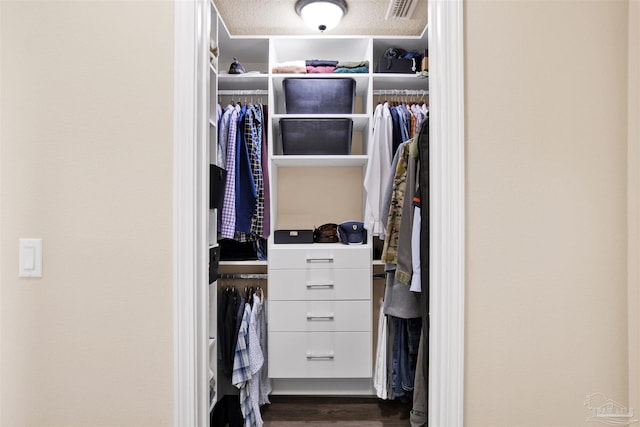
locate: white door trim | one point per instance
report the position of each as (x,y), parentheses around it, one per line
(447,195)
(190,246)
(447,213)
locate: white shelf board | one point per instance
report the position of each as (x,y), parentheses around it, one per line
(319,161)
(300,246)
(243,81)
(338,48)
(249,262)
(399,81)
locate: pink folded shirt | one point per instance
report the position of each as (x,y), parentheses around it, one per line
(321,69)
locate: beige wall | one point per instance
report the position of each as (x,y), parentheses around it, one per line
(633,192)
(86,164)
(546,92)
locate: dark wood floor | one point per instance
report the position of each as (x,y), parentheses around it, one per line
(291,411)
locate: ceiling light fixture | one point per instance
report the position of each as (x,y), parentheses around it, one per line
(321,15)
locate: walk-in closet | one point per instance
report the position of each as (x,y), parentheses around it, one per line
(317,256)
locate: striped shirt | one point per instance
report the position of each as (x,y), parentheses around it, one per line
(228,225)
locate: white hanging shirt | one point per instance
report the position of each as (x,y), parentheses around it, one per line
(378,169)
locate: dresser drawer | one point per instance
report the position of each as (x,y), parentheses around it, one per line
(343,316)
(321,255)
(320,354)
(320,284)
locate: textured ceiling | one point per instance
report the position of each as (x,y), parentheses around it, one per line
(278,17)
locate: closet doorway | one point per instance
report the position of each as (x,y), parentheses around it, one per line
(447,214)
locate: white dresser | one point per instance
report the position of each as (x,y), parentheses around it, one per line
(320,311)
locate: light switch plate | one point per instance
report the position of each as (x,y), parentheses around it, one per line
(30,258)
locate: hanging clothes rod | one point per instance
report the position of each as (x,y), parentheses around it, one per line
(398,92)
(244,92)
(249,276)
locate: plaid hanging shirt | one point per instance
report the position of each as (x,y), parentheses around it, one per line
(242,369)
(228,224)
(254,141)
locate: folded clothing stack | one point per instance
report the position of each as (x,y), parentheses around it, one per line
(290,67)
(352,67)
(320,66)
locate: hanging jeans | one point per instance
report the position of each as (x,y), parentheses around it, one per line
(405,355)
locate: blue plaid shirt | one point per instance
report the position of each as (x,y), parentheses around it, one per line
(242,369)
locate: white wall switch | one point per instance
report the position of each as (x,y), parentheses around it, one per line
(30,258)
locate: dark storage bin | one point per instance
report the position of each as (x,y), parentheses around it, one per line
(316,136)
(231,250)
(217,182)
(399,65)
(319,95)
(398,60)
(293,236)
(214,263)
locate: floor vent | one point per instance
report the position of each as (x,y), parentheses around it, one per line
(401,9)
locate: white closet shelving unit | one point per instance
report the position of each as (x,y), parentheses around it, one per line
(212,223)
(320,309)
(252,52)
(327,308)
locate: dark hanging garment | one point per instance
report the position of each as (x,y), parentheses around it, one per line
(423,148)
(227,412)
(223,295)
(246,194)
(228,329)
(396,129)
(254,144)
(266,224)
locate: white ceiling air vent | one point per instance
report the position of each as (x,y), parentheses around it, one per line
(401,9)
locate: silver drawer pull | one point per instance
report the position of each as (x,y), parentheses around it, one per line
(311,356)
(328,316)
(320,285)
(328,259)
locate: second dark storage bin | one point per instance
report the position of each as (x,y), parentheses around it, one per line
(319,95)
(316,136)
(293,236)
